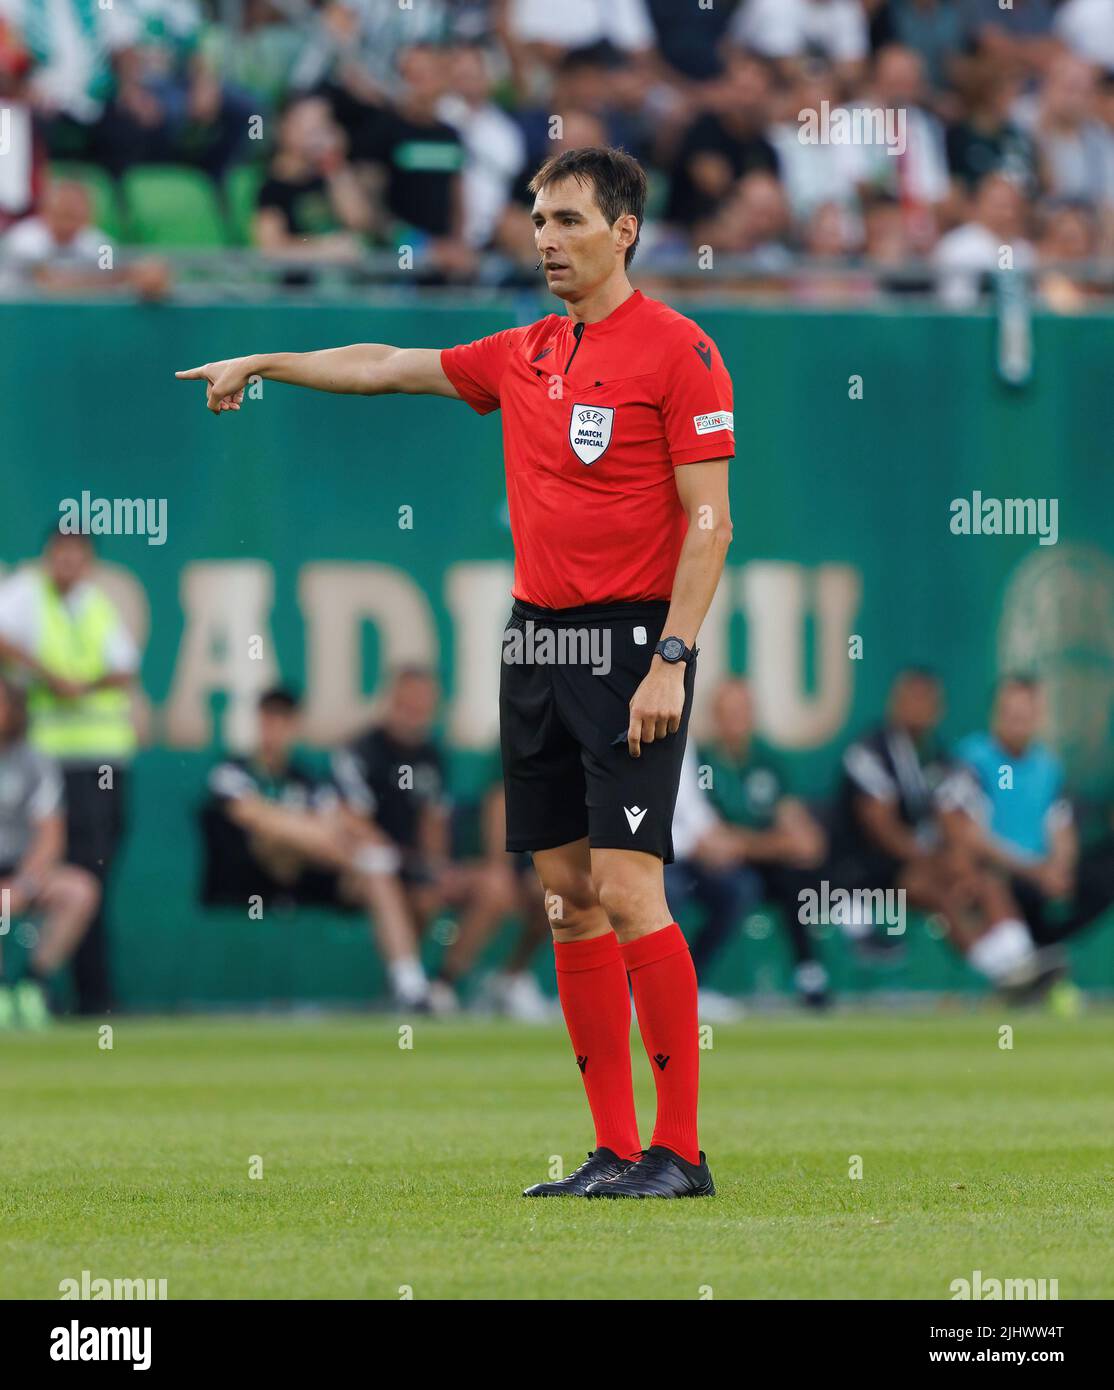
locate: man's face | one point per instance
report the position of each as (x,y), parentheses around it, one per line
(915,706)
(412,707)
(577,247)
(999,207)
(899,78)
(278,731)
(1017,716)
(468,74)
(734,712)
(423,75)
(68,559)
(66,212)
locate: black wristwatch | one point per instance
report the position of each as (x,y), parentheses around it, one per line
(673,649)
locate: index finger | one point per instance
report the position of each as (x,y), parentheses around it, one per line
(634,737)
(193,374)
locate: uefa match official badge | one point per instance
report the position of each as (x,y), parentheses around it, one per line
(590,431)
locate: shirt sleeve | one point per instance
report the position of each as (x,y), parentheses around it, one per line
(17,605)
(350,775)
(121,652)
(231,782)
(47,797)
(696,400)
(476,369)
(868,773)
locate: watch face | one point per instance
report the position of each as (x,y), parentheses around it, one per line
(672,649)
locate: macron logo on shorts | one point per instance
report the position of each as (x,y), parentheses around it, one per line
(717,420)
(634,817)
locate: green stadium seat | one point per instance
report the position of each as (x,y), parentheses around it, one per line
(241,191)
(171,206)
(102,190)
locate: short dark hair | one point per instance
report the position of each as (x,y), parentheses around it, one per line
(617,179)
(279,699)
(54,533)
(916,671)
(1019,680)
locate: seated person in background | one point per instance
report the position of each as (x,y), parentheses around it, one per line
(484,892)
(896,831)
(33,879)
(59,250)
(1019,823)
(275,831)
(758,843)
(392,779)
(311,207)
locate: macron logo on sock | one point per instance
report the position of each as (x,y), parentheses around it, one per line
(634,816)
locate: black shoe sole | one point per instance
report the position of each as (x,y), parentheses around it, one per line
(708,1191)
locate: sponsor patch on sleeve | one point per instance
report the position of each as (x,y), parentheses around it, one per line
(717,420)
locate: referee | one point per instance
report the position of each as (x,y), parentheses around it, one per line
(617,431)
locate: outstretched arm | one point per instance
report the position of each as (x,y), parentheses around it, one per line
(364,369)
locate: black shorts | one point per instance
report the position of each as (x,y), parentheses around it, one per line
(563,729)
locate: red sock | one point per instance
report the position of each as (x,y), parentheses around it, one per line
(663,982)
(595,999)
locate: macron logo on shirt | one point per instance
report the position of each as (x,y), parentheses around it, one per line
(717,420)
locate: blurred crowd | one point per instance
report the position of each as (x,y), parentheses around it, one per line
(980,843)
(370,123)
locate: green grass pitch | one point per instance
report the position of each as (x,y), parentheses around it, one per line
(386,1170)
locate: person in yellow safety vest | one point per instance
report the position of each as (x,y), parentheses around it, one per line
(79,665)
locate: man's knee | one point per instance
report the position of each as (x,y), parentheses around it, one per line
(633,898)
(572,906)
(74,889)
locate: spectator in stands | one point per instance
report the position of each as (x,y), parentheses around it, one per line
(23,166)
(900,801)
(1019,36)
(34,880)
(760,843)
(829,236)
(754,222)
(723,144)
(813,174)
(59,250)
(311,207)
(275,831)
(537,34)
(933,29)
(418,159)
(494,147)
(262,58)
(66,636)
(1087,28)
(1074,147)
(1069,234)
(393,777)
(788,30)
(1020,820)
(75,46)
(993,240)
(917,176)
(690,53)
(169,103)
(602,82)
(350,49)
(985,140)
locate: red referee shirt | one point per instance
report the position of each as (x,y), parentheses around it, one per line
(593,427)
